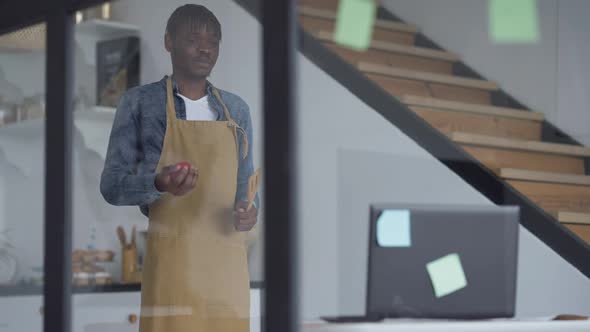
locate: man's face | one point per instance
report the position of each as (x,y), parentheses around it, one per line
(193,51)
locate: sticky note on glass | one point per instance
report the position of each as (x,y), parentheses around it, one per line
(393,229)
(447,275)
(354,23)
(514,21)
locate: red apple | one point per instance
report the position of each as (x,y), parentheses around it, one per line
(184,164)
(181,166)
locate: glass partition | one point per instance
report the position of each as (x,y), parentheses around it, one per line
(22,178)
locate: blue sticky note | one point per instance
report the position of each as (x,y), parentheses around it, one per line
(447,275)
(393,229)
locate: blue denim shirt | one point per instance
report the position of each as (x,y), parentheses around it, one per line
(137,138)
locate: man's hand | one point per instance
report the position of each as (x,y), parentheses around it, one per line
(177,180)
(245,219)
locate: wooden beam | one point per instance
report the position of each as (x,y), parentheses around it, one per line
(15,15)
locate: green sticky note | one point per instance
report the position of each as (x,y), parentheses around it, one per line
(447,275)
(514,21)
(354,23)
(393,229)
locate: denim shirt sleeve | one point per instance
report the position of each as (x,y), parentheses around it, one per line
(120,182)
(246,165)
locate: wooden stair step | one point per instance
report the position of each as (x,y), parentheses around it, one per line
(581,231)
(497,153)
(451,121)
(397,48)
(320,4)
(379,23)
(428,77)
(512,144)
(548,177)
(314,24)
(455,106)
(552,191)
(555,196)
(401,82)
(400,56)
(402,86)
(392,59)
(497,158)
(568,217)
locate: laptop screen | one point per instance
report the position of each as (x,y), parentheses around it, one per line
(442,261)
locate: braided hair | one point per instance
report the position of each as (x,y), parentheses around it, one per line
(195,17)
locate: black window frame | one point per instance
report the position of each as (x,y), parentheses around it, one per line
(279,37)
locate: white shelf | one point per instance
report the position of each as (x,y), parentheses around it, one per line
(96,113)
(94,125)
(88,33)
(104,29)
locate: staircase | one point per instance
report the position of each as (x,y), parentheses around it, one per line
(510,154)
(507,140)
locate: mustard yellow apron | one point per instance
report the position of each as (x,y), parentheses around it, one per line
(195,275)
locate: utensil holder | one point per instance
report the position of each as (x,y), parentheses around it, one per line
(129,270)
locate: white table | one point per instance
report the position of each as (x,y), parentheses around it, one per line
(406,325)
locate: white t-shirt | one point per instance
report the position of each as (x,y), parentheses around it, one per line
(198,110)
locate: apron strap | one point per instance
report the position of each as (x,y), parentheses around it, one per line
(218,96)
(170,108)
(232,123)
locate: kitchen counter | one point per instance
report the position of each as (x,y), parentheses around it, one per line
(410,325)
(112,309)
(28,290)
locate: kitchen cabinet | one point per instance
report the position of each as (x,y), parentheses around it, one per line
(119,312)
(91,312)
(106,312)
(21,313)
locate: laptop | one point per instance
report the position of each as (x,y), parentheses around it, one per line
(448,262)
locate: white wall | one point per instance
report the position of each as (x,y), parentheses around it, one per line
(541,286)
(387,166)
(573,100)
(549,76)
(18,81)
(344,145)
(357,158)
(22,73)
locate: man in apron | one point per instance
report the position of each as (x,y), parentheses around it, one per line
(195,275)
